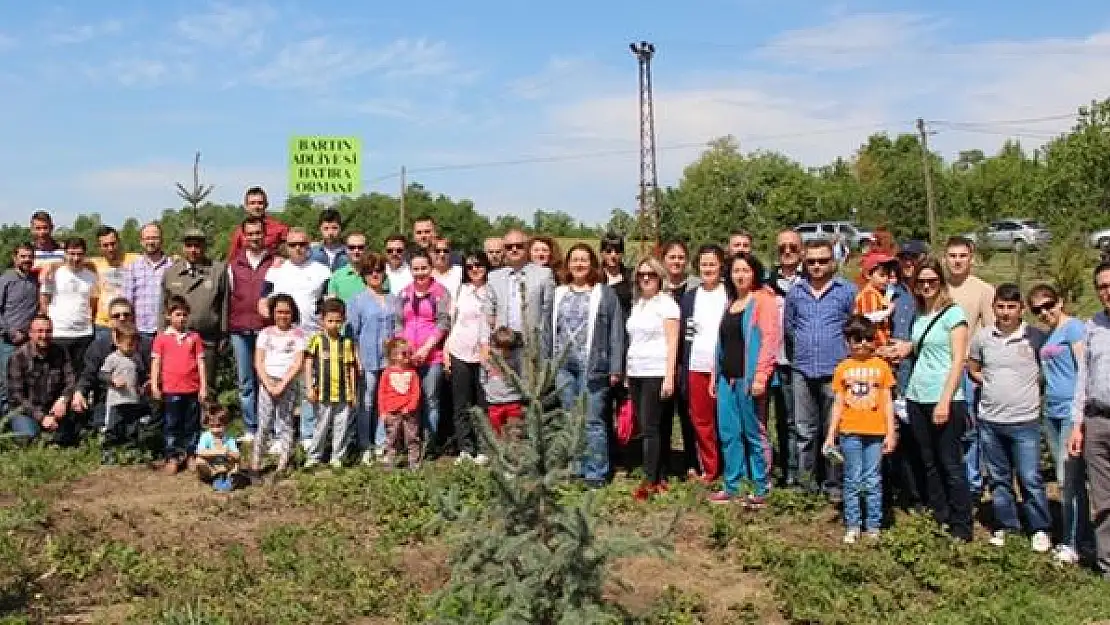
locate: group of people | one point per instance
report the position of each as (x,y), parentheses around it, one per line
(918,380)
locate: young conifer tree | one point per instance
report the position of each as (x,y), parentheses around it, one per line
(530,554)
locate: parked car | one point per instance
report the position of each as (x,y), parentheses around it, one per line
(831,229)
(1016,235)
(1100,239)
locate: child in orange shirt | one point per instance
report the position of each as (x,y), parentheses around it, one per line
(399,403)
(872,300)
(863,417)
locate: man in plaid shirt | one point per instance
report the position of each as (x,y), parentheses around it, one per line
(142,281)
(41,382)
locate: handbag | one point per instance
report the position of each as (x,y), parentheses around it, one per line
(626,421)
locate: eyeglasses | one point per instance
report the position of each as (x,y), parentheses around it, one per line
(789,247)
(514,246)
(121,315)
(824,260)
(394,250)
(647,275)
(443,250)
(356,247)
(297,243)
(1043,307)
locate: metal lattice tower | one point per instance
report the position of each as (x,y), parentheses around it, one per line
(648,216)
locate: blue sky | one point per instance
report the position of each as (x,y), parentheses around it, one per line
(105,102)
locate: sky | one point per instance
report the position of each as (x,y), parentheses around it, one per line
(106,102)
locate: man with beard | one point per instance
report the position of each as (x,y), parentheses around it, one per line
(19,303)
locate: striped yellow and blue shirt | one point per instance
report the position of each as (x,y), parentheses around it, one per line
(331,359)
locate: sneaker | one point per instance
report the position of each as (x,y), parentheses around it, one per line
(873,535)
(1064,554)
(171,467)
(368,457)
(311,462)
(380,453)
(108,458)
(306,444)
(720,497)
(851,536)
(336,463)
(223,484)
(662,487)
(245,438)
(1041,542)
(464,457)
(998,538)
(275,449)
(481,460)
(642,492)
(755,502)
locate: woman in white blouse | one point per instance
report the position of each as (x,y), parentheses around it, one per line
(463,362)
(652,351)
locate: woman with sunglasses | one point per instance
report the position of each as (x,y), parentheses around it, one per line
(652,360)
(423,311)
(447,274)
(1064,368)
(700,322)
(372,316)
(463,362)
(935,401)
(747,346)
(587,338)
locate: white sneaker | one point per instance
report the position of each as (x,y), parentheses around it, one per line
(1041,542)
(380,453)
(368,457)
(311,462)
(481,460)
(851,536)
(873,534)
(1064,554)
(336,463)
(245,438)
(464,457)
(306,443)
(998,538)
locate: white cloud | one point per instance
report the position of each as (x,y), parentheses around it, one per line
(321,61)
(850,41)
(225,26)
(85,32)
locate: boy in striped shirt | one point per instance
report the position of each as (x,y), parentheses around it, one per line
(329,367)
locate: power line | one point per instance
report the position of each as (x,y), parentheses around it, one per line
(1006,122)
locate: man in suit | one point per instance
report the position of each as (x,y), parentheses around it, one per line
(520,293)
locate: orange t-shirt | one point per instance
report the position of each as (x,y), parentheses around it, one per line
(858,385)
(870,301)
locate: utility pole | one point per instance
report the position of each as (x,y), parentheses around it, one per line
(404,186)
(930,195)
(648,214)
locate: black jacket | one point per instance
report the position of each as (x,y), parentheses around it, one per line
(88,380)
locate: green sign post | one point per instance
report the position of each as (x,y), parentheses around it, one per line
(325,166)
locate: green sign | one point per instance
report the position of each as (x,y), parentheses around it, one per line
(325,166)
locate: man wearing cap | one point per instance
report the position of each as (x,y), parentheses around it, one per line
(203,283)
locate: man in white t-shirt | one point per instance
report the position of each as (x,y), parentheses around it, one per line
(396,269)
(69,296)
(306,281)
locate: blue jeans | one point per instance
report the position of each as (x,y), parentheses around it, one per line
(308,417)
(182,424)
(6,351)
(1009,450)
(813,399)
(572,384)
(25,429)
(973,455)
(242,345)
(743,447)
(430,377)
(1071,477)
(367,421)
(863,458)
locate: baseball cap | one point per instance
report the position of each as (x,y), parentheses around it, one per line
(193,234)
(913,247)
(874,259)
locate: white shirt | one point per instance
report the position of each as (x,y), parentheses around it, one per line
(398,278)
(305,284)
(709,307)
(451,280)
(647,338)
(280,349)
(70,309)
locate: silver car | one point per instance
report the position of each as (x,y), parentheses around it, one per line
(829,230)
(1016,235)
(1100,239)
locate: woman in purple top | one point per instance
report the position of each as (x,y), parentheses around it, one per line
(423,319)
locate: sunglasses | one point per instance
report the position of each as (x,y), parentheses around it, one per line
(297,243)
(789,247)
(819,261)
(858,340)
(514,246)
(121,315)
(356,247)
(394,250)
(375,270)
(647,275)
(1043,307)
(443,250)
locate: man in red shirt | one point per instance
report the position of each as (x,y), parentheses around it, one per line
(255,203)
